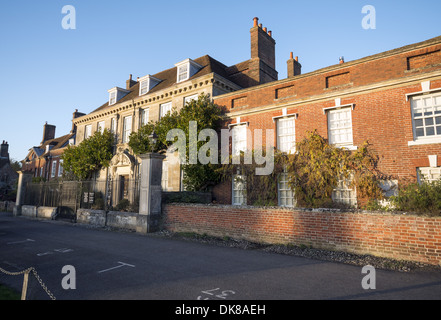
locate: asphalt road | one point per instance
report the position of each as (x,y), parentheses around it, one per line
(129,266)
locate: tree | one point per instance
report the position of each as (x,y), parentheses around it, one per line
(316,168)
(207,115)
(90,155)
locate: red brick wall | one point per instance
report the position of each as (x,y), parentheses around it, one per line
(402,237)
(381,116)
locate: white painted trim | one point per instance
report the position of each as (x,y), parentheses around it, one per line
(351,105)
(295,115)
(421,92)
(424,141)
(238,124)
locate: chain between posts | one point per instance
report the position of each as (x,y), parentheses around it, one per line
(26,273)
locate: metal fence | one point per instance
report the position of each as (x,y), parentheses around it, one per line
(68,196)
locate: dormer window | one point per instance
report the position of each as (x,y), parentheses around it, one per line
(115,94)
(147,83)
(186,69)
(112,98)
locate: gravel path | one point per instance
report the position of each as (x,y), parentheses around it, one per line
(307,252)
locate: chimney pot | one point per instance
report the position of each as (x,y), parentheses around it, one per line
(290,55)
(342,60)
(270,33)
(260,25)
(255,21)
(297,58)
(264,29)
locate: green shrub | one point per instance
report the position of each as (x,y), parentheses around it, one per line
(123,205)
(422,198)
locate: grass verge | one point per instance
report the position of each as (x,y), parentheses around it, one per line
(8,293)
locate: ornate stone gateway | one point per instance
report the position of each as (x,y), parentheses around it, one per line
(123,177)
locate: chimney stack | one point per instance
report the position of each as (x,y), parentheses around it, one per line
(76,114)
(4,153)
(294,67)
(263,46)
(48,132)
(130,83)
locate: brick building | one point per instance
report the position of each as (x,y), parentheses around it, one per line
(152,96)
(8,176)
(391,99)
(44,161)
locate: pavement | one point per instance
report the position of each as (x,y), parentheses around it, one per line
(78,262)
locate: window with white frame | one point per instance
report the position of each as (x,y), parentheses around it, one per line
(88,131)
(143,86)
(239,139)
(239,190)
(165,108)
(145,116)
(112,97)
(190,98)
(127,128)
(60,167)
(286,135)
(429,174)
(183,72)
(426,116)
(340,127)
(113,125)
(343,193)
(100,126)
(54,168)
(164,177)
(285,194)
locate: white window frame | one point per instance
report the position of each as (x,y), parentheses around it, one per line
(147,83)
(164,177)
(429,117)
(100,126)
(113,125)
(183,72)
(428,174)
(285,195)
(60,167)
(239,139)
(186,69)
(127,128)
(286,138)
(238,196)
(87,131)
(144,86)
(164,109)
(145,114)
(54,168)
(190,98)
(332,128)
(112,97)
(340,192)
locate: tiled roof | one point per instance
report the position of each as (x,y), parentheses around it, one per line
(168,78)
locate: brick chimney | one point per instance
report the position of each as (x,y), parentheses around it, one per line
(294,67)
(4,151)
(76,114)
(48,132)
(263,46)
(261,68)
(130,83)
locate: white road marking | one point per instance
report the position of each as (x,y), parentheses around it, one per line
(122,264)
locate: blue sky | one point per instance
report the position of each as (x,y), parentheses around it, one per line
(47,72)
